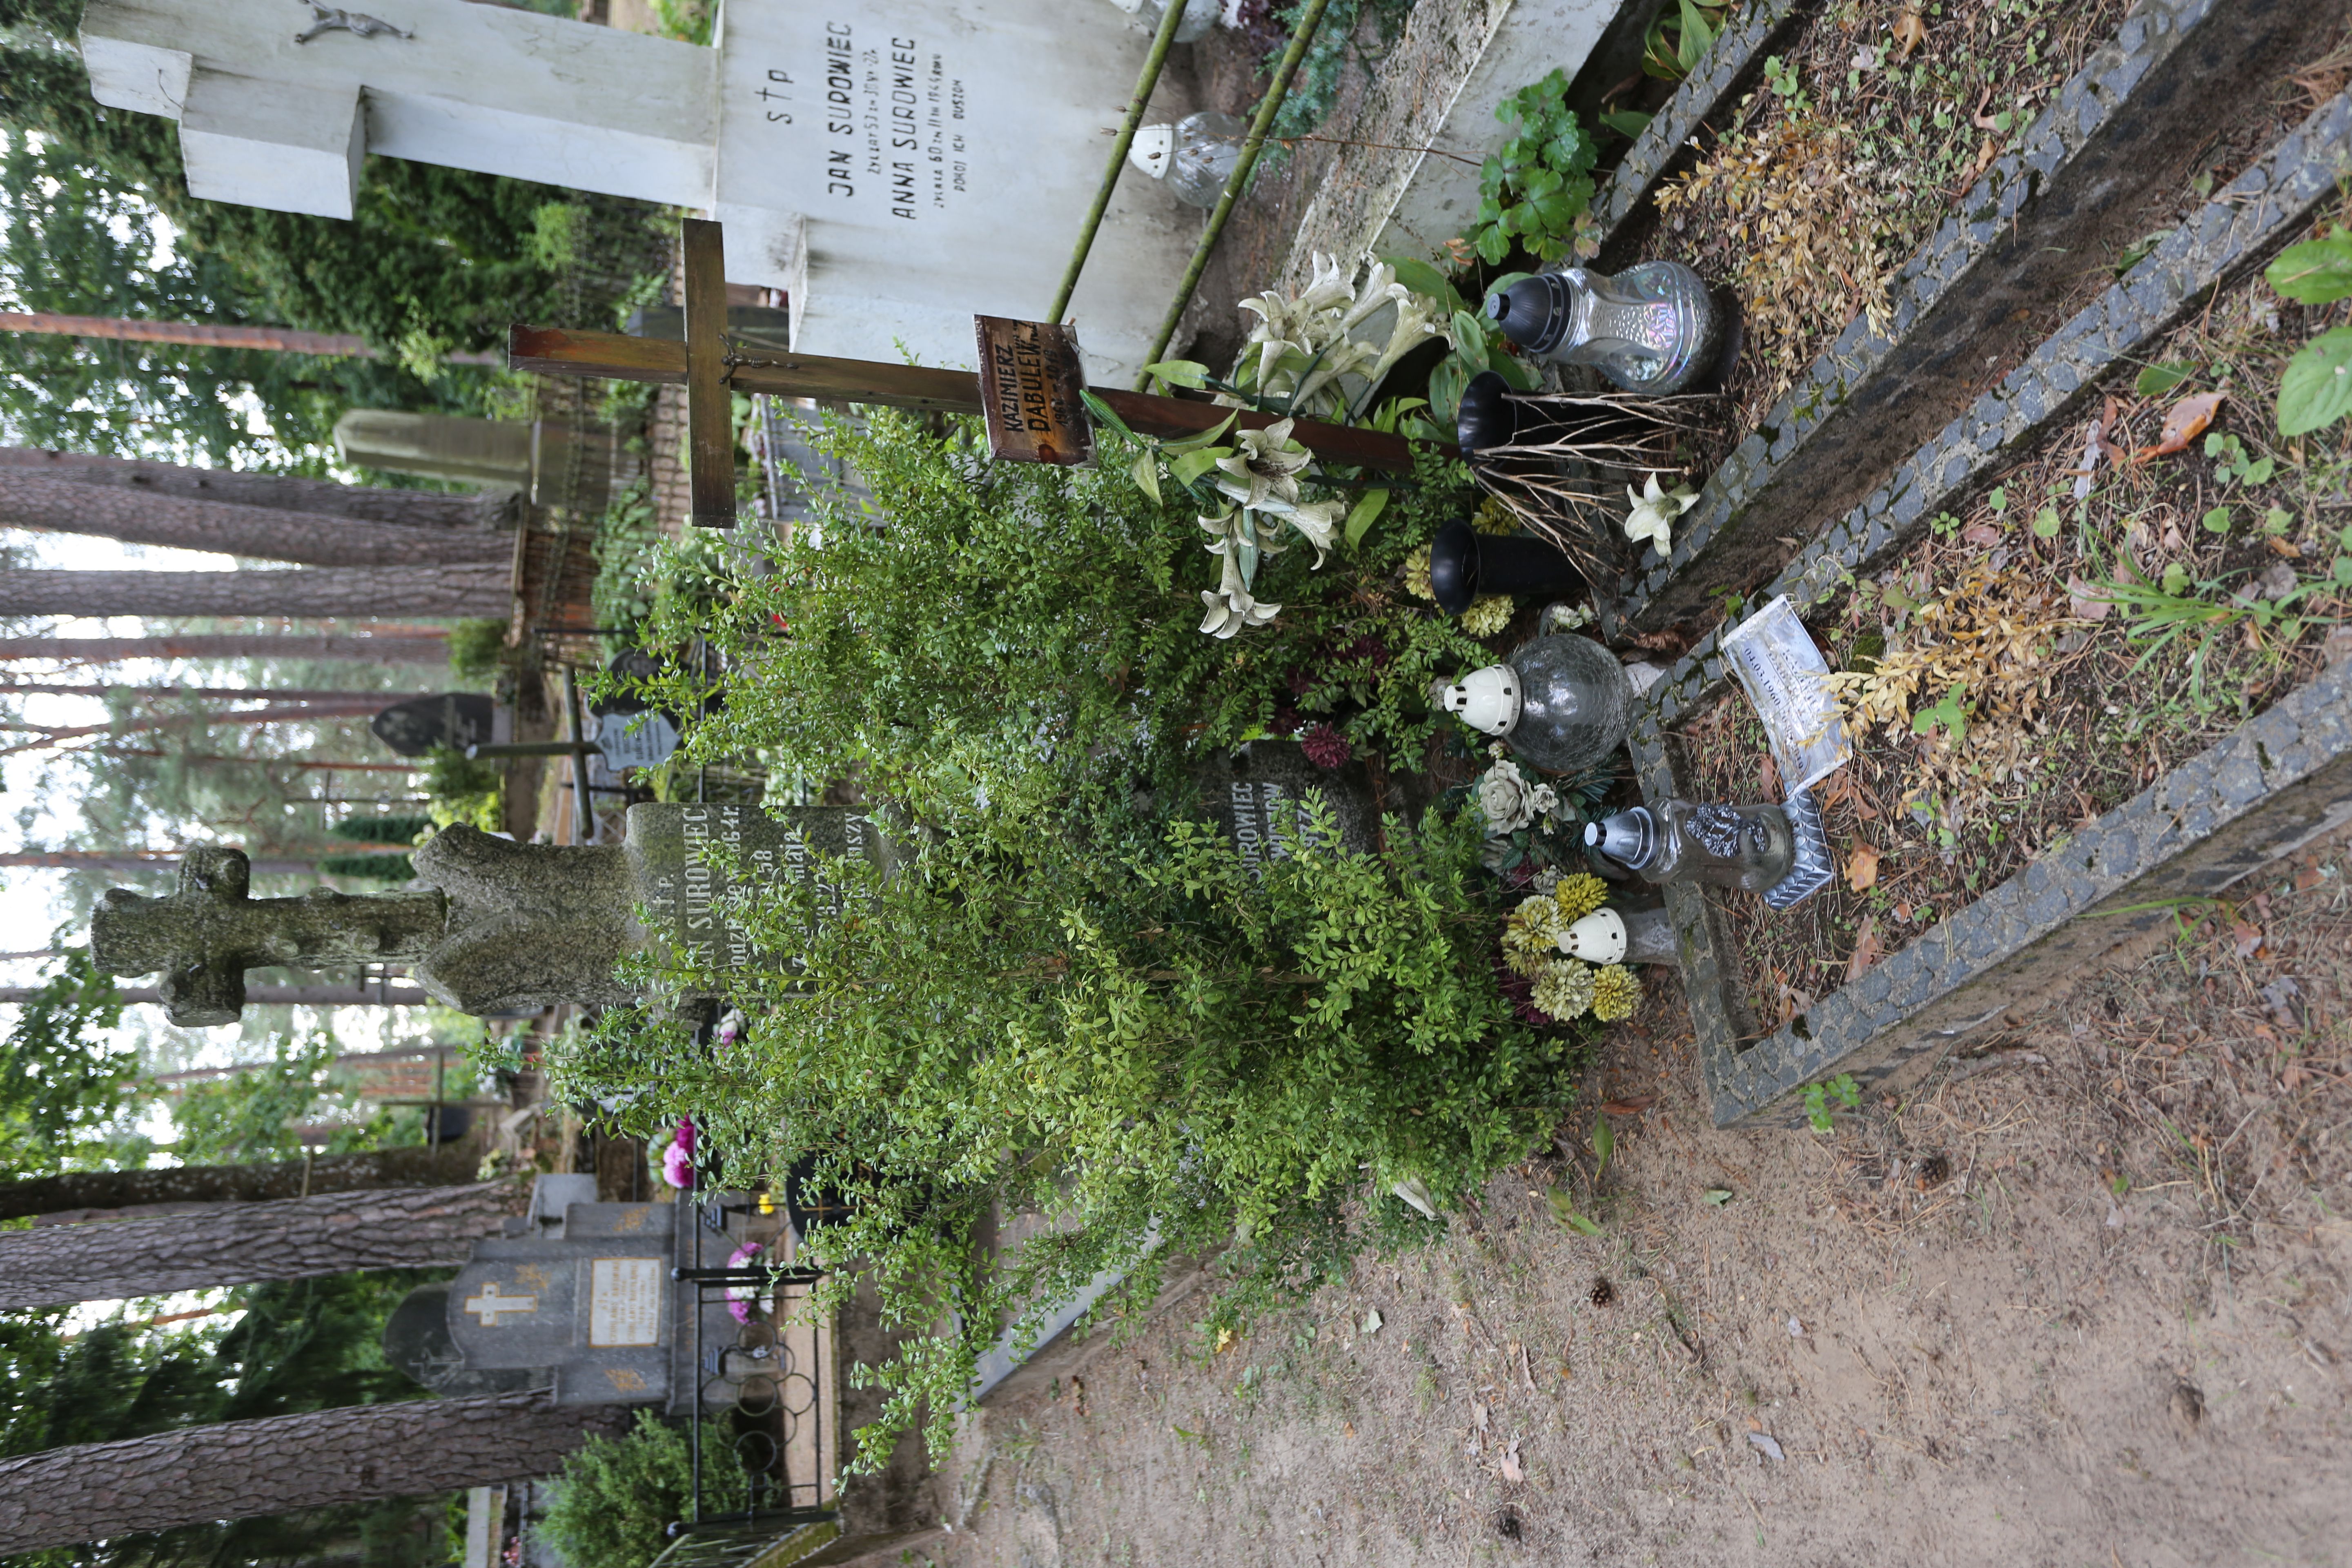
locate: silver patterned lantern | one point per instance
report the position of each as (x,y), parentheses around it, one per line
(1651,327)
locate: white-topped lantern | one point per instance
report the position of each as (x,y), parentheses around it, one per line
(1598,938)
(1486,700)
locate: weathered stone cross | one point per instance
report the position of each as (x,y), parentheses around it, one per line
(489,925)
(205,936)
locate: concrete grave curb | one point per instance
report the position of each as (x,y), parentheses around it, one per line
(1730,69)
(1980,957)
(2117,131)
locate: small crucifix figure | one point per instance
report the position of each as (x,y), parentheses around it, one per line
(494,1308)
(203,937)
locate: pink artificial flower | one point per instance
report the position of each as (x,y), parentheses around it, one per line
(742,1298)
(678,1165)
(684,1137)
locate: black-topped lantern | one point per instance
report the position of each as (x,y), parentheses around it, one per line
(1464,564)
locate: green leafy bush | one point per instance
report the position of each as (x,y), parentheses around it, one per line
(464,790)
(406,828)
(617,1497)
(1109,1019)
(1015,630)
(477,648)
(1535,192)
(2317,390)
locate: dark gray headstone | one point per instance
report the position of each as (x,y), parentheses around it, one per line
(1253,793)
(455,719)
(677,852)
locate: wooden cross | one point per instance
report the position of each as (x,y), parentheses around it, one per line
(711,372)
(205,936)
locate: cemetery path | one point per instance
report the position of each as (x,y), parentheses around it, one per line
(2083,1301)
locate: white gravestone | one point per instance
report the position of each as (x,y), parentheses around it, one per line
(898,165)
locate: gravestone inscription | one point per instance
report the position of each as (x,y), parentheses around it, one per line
(1255,792)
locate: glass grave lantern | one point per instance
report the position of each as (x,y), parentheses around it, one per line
(1563,702)
(1652,328)
(1778,852)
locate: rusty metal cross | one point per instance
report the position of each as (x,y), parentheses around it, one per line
(203,937)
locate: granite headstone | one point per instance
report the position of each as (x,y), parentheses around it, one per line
(1253,792)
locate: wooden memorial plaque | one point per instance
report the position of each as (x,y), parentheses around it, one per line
(1030,378)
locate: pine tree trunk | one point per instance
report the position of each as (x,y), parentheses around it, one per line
(313,539)
(411,1227)
(107,860)
(449,1165)
(246,1470)
(118,650)
(271,996)
(492,510)
(471,589)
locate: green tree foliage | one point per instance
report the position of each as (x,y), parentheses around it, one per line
(290,1346)
(75,243)
(617,1497)
(254,1114)
(63,1086)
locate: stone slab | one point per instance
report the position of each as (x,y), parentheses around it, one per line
(2268,786)
(2121,132)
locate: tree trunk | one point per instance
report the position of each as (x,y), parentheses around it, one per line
(214,335)
(448,592)
(343,698)
(277,1464)
(118,650)
(411,1227)
(105,860)
(313,539)
(449,1165)
(491,509)
(269,995)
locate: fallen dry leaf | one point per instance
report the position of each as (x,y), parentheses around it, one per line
(2247,939)
(1511,1469)
(1983,535)
(1862,869)
(1633,1107)
(2183,423)
(2083,599)
(1910,31)
(1478,1414)
(2338,647)
(1865,949)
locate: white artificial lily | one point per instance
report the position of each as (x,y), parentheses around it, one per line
(1264,465)
(1229,606)
(1656,508)
(1380,289)
(1415,325)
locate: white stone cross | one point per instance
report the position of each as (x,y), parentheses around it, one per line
(896,166)
(493,1308)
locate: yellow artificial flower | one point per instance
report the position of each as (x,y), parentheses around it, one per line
(1615,993)
(1565,989)
(1579,896)
(1487,614)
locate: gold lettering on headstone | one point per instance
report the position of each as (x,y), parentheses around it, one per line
(628,1380)
(624,1301)
(493,1307)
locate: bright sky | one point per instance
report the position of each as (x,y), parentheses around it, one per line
(30,915)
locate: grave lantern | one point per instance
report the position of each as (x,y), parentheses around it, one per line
(1651,327)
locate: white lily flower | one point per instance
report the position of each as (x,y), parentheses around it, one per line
(1415,325)
(1656,508)
(1261,468)
(1329,287)
(1229,606)
(1318,521)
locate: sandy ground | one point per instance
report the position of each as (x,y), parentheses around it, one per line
(2083,1301)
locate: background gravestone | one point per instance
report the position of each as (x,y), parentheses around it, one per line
(455,719)
(1253,793)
